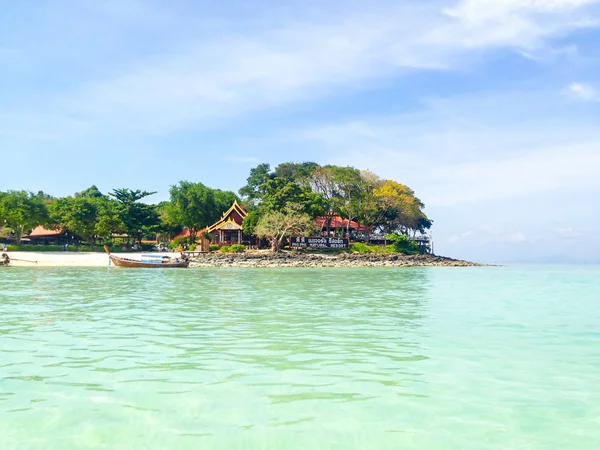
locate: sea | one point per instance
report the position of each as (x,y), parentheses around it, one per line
(479,358)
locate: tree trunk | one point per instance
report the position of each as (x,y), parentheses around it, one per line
(275,246)
(19,230)
(367,233)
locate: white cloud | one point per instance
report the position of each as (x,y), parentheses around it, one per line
(516,238)
(471,154)
(569,233)
(583,92)
(491,235)
(231,74)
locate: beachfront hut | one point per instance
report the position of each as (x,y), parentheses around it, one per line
(228,229)
(43,236)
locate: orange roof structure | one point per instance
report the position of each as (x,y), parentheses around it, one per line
(43,232)
(338,222)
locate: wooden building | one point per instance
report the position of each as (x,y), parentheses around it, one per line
(228,229)
(43,236)
(337,226)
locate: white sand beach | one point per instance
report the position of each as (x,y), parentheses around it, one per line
(68,259)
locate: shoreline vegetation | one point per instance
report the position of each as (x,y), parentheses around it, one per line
(291,206)
(249,259)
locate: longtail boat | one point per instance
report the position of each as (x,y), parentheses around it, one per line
(147,261)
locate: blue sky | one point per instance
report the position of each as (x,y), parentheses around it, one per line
(488,109)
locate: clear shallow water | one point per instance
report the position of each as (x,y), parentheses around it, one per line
(431,358)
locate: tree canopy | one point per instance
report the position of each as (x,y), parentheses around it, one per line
(193,206)
(280,201)
(377,204)
(22,211)
(89,214)
(138,218)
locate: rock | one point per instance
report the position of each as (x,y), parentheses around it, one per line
(300,259)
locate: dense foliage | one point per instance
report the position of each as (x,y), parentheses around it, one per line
(21,211)
(377,205)
(281,202)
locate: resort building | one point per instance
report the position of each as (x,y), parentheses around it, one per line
(337,226)
(43,236)
(228,229)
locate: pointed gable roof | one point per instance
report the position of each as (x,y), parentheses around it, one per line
(227,221)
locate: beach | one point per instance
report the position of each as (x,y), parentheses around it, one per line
(257,259)
(68,259)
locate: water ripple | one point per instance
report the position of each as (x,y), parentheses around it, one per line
(365,358)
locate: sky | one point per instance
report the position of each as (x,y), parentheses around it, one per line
(488,109)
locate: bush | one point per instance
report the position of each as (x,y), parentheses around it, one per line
(213,248)
(238,248)
(225,249)
(404,245)
(55,248)
(359,247)
(85,248)
(179,242)
(192,247)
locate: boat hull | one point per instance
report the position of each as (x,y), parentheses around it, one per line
(126,262)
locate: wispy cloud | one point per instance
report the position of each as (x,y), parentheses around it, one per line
(569,233)
(232,74)
(458,150)
(583,92)
(494,235)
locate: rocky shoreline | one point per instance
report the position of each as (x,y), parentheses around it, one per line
(297,259)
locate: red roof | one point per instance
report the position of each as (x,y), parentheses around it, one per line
(184,233)
(338,222)
(41,231)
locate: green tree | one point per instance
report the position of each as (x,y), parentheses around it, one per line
(75,214)
(89,215)
(108,220)
(400,210)
(324,181)
(300,173)
(280,192)
(92,191)
(138,218)
(368,208)
(223,201)
(276,226)
(254,188)
(348,186)
(21,211)
(251,221)
(193,206)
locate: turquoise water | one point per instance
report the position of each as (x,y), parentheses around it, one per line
(428,358)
